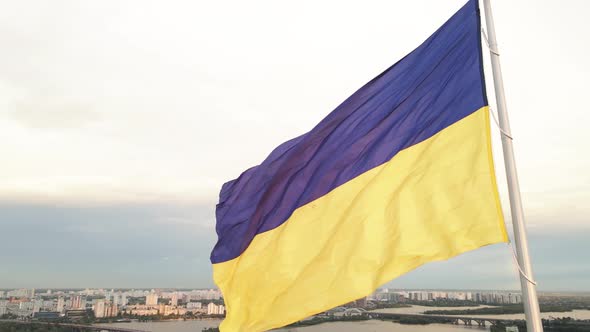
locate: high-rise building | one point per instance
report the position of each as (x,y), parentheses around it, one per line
(497,298)
(3,307)
(151,299)
(107,296)
(76,302)
(26,305)
(99,309)
(60,304)
(174,299)
(47,305)
(111,310)
(214,309)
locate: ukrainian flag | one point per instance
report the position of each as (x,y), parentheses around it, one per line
(400,174)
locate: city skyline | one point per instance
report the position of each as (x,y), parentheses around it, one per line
(121,131)
(135,303)
(180,290)
(108,304)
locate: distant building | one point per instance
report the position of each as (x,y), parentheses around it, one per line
(142,310)
(151,299)
(194,305)
(60,305)
(99,309)
(204,294)
(76,302)
(418,296)
(46,315)
(174,299)
(337,312)
(214,309)
(111,310)
(119,299)
(27,305)
(77,314)
(360,303)
(46,305)
(497,298)
(354,312)
(3,307)
(23,292)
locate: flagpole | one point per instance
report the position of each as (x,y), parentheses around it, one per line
(529,292)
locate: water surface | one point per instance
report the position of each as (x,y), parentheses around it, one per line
(368,326)
(416,309)
(365,326)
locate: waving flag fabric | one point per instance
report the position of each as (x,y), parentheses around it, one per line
(400,174)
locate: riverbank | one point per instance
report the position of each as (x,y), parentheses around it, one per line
(501,310)
(168,326)
(197,325)
(575,314)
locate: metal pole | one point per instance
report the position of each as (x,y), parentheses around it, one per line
(529,292)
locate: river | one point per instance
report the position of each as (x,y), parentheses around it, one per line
(365,326)
(416,309)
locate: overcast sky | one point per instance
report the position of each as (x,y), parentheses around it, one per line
(120,121)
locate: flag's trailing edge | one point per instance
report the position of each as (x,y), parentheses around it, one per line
(400,174)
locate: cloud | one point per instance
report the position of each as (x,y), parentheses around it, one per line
(104,246)
(10,96)
(206,222)
(138,245)
(54,113)
(44,110)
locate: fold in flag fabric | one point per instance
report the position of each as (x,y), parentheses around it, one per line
(400,174)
